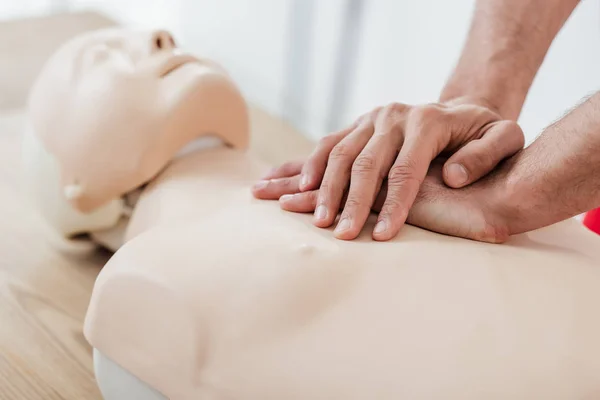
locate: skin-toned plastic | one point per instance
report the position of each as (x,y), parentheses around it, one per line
(41,179)
(220,296)
(112,108)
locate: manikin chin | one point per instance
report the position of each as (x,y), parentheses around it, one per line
(215,295)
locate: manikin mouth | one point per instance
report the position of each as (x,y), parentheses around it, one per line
(173,61)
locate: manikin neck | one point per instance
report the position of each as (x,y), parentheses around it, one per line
(201,143)
(107,224)
(114,237)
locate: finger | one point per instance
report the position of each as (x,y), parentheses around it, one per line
(404,180)
(368,171)
(285,170)
(337,174)
(275,188)
(478,157)
(306,202)
(303,202)
(314,167)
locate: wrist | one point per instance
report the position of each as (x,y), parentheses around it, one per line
(472,100)
(507,108)
(505,202)
(512,202)
(518,200)
(495,91)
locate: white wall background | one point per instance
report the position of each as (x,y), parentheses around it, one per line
(283,53)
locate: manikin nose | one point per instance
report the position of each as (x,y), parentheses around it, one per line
(162,40)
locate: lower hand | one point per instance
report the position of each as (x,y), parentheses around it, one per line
(395,143)
(478,212)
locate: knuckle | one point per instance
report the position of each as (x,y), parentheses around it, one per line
(403,172)
(340,152)
(372,116)
(393,209)
(365,163)
(394,108)
(425,113)
(284,182)
(386,211)
(365,119)
(353,202)
(393,205)
(268,184)
(324,140)
(327,142)
(392,114)
(429,119)
(326,192)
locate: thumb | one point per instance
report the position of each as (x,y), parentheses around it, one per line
(478,157)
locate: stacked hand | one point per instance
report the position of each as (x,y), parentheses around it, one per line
(477,212)
(381,162)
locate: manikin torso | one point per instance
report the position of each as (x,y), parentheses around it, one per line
(256,303)
(216,295)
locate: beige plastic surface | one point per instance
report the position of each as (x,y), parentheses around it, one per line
(114,106)
(41,181)
(219,296)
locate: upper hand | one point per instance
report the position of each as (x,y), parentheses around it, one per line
(397,143)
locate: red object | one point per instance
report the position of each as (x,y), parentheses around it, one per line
(592,220)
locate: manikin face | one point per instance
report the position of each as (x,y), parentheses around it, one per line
(114,106)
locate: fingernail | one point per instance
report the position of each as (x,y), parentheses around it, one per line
(321,212)
(261,185)
(286,197)
(304,181)
(342,226)
(457,174)
(380,227)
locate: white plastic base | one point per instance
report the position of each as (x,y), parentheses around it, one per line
(116,383)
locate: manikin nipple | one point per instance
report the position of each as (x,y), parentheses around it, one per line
(73,191)
(306,249)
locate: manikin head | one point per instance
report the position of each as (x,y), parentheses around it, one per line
(112,107)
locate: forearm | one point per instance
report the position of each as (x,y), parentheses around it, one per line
(505,47)
(558,176)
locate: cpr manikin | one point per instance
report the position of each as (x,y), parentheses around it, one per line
(215,295)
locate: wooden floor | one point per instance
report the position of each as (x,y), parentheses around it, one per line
(45,282)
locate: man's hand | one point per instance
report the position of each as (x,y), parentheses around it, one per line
(553,179)
(395,143)
(505,47)
(479,212)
